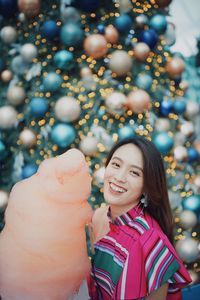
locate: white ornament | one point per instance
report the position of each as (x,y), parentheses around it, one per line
(3,200)
(8,117)
(99,176)
(28,138)
(162,124)
(28,52)
(188,249)
(179,138)
(116,102)
(188,219)
(120,62)
(89,145)
(192,109)
(187,128)
(180,153)
(124,6)
(19,66)
(67,109)
(16,95)
(8,34)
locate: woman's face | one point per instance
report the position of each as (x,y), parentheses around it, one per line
(123,179)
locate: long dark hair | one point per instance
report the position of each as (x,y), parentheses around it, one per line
(155,185)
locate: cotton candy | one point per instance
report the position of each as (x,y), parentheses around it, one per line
(43,253)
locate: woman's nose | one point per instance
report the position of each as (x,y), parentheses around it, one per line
(120,175)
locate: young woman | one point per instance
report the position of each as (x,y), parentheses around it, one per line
(134,257)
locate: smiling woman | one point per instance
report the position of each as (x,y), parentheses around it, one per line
(134,258)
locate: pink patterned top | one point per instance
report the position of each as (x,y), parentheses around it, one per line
(133,258)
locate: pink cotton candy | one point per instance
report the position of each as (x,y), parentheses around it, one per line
(43,253)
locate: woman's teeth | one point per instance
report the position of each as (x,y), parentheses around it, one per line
(117,189)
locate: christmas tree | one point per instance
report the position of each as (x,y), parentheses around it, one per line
(86,73)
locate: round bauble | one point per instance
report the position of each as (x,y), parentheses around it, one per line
(141,20)
(180,153)
(85,71)
(144,81)
(125,132)
(179,106)
(38,107)
(139,101)
(6,76)
(99,177)
(123,23)
(116,102)
(28,52)
(101,28)
(192,109)
(162,124)
(28,138)
(3,200)
(120,63)
(124,6)
(111,34)
(166,107)
(188,219)
(149,37)
(8,8)
(193,155)
(52,82)
(50,30)
(159,23)
(71,35)
(19,66)
(63,135)
(70,15)
(188,249)
(95,45)
(187,128)
(163,142)
(8,34)
(192,203)
(179,138)
(29,170)
(30,8)
(16,95)
(141,51)
(89,145)
(64,60)
(8,117)
(67,109)
(175,67)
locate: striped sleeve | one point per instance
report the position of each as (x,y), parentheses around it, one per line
(152,262)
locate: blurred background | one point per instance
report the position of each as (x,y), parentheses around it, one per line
(88,73)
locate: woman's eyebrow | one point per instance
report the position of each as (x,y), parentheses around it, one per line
(134,166)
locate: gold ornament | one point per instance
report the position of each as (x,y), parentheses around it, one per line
(175,67)
(139,101)
(6,76)
(111,34)
(141,51)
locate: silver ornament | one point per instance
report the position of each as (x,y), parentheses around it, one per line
(28,138)
(69,14)
(8,117)
(188,219)
(187,128)
(162,124)
(28,52)
(120,62)
(192,109)
(180,153)
(89,145)
(16,95)
(18,65)
(116,102)
(8,34)
(67,109)
(141,20)
(188,249)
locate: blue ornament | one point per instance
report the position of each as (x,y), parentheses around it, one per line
(52,82)
(144,81)
(163,142)
(149,37)
(101,28)
(166,107)
(88,5)
(123,23)
(179,106)
(8,8)
(64,60)
(38,107)
(3,151)
(159,23)
(192,203)
(50,30)
(193,155)
(63,135)
(71,35)
(125,132)
(28,170)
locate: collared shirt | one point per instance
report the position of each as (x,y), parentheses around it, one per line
(133,258)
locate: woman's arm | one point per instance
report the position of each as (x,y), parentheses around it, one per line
(159,294)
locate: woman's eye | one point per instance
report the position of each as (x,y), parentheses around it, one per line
(135,173)
(115,164)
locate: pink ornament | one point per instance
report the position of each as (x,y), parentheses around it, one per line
(141,51)
(95,45)
(175,67)
(30,8)
(139,101)
(111,34)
